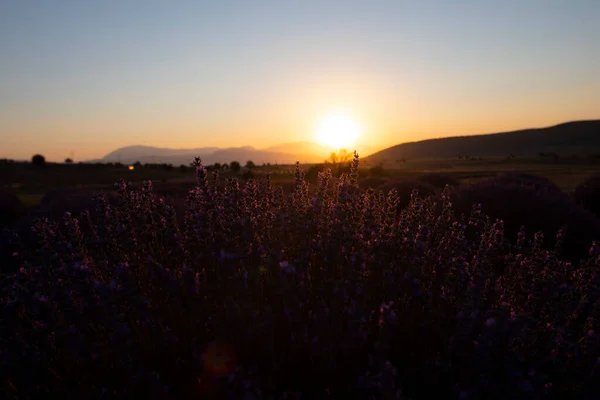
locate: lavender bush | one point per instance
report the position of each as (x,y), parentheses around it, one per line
(405,187)
(535,203)
(259,295)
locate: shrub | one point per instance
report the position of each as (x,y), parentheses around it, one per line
(235,166)
(56,202)
(38,160)
(535,203)
(587,194)
(327,295)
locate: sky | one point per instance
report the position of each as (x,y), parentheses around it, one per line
(82,78)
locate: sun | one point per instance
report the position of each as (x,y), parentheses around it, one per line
(338,131)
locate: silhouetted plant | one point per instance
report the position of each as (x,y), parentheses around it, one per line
(68,161)
(235,166)
(535,203)
(405,188)
(38,160)
(250,164)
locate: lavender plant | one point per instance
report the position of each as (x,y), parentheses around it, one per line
(329,294)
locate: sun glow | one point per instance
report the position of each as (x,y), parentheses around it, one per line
(338,131)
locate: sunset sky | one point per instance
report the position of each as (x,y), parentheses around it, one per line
(88,76)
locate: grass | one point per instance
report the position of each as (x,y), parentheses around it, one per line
(31,184)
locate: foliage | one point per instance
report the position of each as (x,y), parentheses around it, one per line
(341,157)
(235,166)
(588,194)
(325,295)
(536,203)
(38,160)
(339,163)
(405,189)
(250,164)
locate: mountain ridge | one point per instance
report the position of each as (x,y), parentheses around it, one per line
(285,153)
(581,136)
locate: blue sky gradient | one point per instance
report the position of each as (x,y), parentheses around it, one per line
(91,76)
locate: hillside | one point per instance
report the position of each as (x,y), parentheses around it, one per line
(148,154)
(210,155)
(285,153)
(577,137)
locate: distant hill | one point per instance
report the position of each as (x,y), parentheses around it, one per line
(146,154)
(577,137)
(210,155)
(286,153)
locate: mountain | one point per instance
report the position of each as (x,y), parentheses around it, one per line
(149,154)
(576,137)
(286,153)
(243,154)
(209,155)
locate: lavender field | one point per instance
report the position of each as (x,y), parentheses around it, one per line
(336,293)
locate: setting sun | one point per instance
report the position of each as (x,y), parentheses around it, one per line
(338,131)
